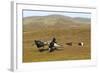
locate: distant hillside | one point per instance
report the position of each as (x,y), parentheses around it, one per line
(59,21)
(84,20)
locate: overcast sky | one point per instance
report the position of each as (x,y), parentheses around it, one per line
(27,13)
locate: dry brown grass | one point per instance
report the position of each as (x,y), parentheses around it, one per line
(63,35)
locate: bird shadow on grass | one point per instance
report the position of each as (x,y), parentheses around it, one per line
(42,50)
(46,49)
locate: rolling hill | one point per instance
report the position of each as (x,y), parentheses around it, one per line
(53,21)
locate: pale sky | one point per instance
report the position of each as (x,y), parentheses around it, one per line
(27,13)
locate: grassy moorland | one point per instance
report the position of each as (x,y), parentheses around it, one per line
(65,29)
